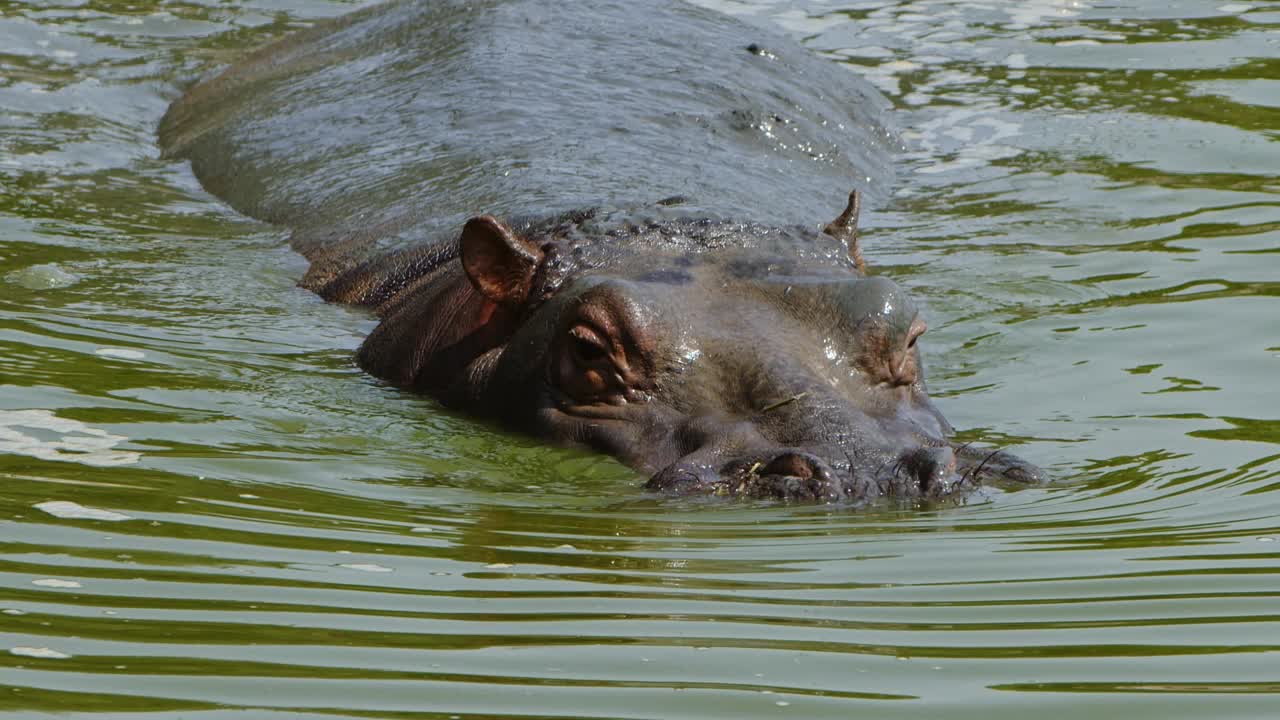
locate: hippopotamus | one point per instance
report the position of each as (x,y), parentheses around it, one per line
(630,227)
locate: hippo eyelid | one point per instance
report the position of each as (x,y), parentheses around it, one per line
(588,343)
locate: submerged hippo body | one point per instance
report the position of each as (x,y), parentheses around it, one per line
(599,223)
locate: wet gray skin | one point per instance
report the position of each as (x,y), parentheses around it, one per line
(771,368)
(486,176)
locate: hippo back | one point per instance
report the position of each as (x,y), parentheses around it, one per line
(398,122)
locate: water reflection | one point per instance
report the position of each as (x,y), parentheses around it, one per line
(247,524)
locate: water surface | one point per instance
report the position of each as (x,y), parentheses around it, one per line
(250,527)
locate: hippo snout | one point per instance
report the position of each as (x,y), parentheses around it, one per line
(931,470)
(795,475)
(786,475)
(804,476)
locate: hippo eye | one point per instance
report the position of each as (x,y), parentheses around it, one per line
(588,352)
(588,347)
(587,369)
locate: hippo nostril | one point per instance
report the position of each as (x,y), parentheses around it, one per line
(932,468)
(683,479)
(790,464)
(796,475)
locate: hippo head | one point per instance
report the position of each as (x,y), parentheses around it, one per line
(714,357)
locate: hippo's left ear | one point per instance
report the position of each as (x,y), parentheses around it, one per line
(499,262)
(845,229)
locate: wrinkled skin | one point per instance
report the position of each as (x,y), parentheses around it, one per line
(752,356)
(715,357)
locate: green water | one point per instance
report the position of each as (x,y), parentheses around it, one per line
(1090,210)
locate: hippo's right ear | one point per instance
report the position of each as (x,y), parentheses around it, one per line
(499,262)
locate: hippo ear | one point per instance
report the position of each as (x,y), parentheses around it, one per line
(845,229)
(499,262)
